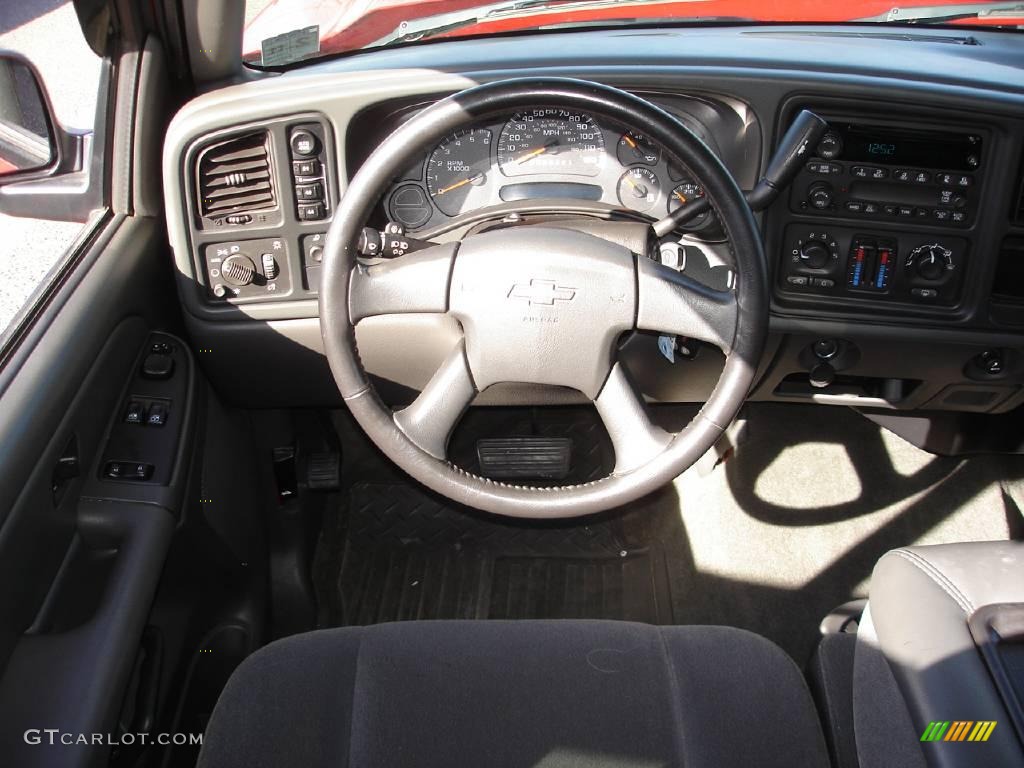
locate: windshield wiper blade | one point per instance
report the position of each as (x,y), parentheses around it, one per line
(947,14)
(439,24)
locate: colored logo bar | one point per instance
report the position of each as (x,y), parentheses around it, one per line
(958,730)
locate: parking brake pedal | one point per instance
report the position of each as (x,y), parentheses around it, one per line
(537,458)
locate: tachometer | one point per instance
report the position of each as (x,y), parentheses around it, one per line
(551,140)
(457,168)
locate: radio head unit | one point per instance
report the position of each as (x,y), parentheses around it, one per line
(866,171)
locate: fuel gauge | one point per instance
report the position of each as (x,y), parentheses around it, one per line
(639,188)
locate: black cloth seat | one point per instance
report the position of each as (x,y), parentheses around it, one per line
(527,693)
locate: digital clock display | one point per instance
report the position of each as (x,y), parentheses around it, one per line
(914,148)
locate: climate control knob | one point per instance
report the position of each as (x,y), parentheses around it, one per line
(238,269)
(819,195)
(931,261)
(814,255)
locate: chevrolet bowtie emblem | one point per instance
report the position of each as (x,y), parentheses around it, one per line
(543,292)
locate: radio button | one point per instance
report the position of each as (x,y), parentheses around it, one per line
(871,209)
(941,214)
(879,173)
(963,180)
(959,216)
(902,174)
(922,177)
(854,206)
(889,210)
(823,168)
(860,171)
(922,213)
(905,210)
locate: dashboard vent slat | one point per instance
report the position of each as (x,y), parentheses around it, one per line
(234,176)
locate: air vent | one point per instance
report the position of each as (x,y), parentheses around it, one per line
(235,178)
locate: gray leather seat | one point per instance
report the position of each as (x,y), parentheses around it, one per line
(914,660)
(529,693)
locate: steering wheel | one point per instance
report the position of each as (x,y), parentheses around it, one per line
(542,305)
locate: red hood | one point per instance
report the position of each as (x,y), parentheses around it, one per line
(350,24)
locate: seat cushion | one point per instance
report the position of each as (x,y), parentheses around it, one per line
(527,693)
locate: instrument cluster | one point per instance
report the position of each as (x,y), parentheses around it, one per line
(542,153)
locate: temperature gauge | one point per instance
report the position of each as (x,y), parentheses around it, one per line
(639,189)
(683,193)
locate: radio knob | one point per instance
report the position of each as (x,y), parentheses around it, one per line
(830,146)
(819,195)
(814,255)
(238,269)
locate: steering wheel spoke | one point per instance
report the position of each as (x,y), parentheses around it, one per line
(416,282)
(670,302)
(432,416)
(636,440)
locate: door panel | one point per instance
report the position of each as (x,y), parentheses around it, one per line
(78,572)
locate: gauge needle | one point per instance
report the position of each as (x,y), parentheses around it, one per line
(457,184)
(638,190)
(629,141)
(681,197)
(534,153)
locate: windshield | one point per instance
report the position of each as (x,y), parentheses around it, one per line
(281,32)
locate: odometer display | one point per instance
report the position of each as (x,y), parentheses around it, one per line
(551,140)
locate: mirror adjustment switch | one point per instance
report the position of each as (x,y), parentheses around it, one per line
(157,366)
(127,470)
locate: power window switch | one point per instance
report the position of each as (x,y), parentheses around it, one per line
(157,415)
(135,413)
(127,470)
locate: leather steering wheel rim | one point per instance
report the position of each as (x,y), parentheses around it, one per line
(341,280)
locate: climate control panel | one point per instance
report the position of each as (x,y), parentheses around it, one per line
(837,261)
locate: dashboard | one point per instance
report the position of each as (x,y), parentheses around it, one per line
(896,257)
(542,153)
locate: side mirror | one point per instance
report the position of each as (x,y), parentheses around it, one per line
(46,172)
(28,140)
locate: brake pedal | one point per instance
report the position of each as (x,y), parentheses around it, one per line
(536,458)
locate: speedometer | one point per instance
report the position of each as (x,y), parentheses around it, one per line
(551,140)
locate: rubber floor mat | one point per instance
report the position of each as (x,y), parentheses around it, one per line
(401,554)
